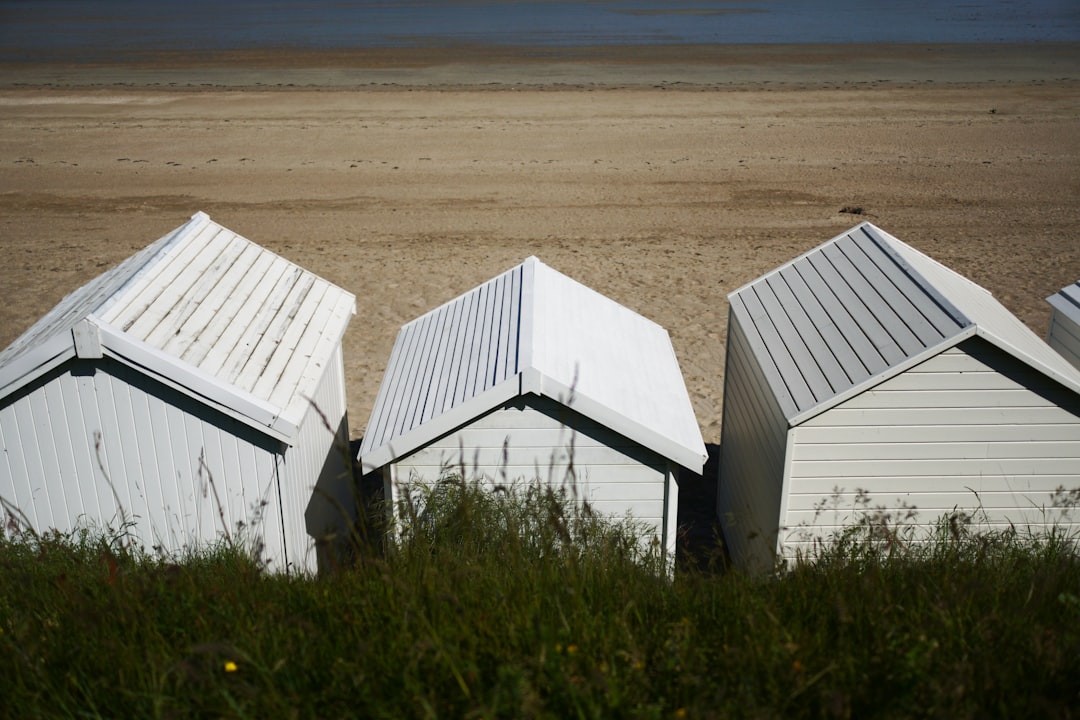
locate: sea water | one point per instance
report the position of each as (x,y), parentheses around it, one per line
(100,30)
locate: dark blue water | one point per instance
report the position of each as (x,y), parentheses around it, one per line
(105,29)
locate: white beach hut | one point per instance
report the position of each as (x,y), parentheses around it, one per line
(864,377)
(1064,332)
(193,392)
(526,375)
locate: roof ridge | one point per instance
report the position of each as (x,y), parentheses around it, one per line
(885,241)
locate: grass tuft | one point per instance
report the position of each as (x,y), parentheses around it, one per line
(519,603)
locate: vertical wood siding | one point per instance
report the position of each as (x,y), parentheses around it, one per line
(972,429)
(752,447)
(535,438)
(317,478)
(448,357)
(100,445)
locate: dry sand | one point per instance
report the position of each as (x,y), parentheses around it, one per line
(662,194)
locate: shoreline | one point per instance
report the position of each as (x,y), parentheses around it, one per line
(498,67)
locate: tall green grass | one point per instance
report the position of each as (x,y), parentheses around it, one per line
(519,603)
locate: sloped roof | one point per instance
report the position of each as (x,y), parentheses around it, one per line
(532,330)
(1067,301)
(863,307)
(205,311)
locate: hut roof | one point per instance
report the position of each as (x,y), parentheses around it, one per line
(1067,301)
(863,307)
(206,311)
(532,330)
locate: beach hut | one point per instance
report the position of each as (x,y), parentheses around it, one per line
(533,376)
(1064,332)
(866,381)
(192,394)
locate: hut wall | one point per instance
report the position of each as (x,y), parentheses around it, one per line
(1064,336)
(752,451)
(534,438)
(98,443)
(971,429)
(317,485)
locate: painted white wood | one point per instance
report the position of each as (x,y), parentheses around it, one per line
(148,426)
(615,482)
(28,363)
(87,340)
(1020,432)
(1064,334)
(942,449)
(751,456)
(317,489)
(238,335)
(217,299)
(1008,471)
(571,344)
(994,322)
(938,502)
(868,416)
(62,455)
(947,391)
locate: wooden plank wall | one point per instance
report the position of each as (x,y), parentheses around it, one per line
(538,439)
(92,445)
(971,429)
(1064,336)
(752,447)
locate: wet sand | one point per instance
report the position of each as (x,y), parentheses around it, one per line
(664,182)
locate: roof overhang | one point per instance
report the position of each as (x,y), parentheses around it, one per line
(532,382)
(875,380)
(92,340)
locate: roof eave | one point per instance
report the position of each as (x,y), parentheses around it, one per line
(28,367)
(1062,379)
(531,381)
(888,373)
(191,381)
(1064,306)
(427,432)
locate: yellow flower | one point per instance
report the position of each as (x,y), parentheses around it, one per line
(571,649)
(230,666)
(680,713)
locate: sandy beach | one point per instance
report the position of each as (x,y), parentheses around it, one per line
(660,182)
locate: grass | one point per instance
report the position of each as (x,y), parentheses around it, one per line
(516,604)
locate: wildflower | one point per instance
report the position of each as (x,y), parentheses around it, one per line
(571,649)
(797,666)
(680,713)
(230,666)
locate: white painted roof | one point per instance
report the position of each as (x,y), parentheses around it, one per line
(206,311)
(532,330)
(1067,301)
(863,307)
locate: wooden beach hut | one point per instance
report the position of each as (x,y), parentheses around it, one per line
(192,392)
(1064,332)
(864,379)
(526,376)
